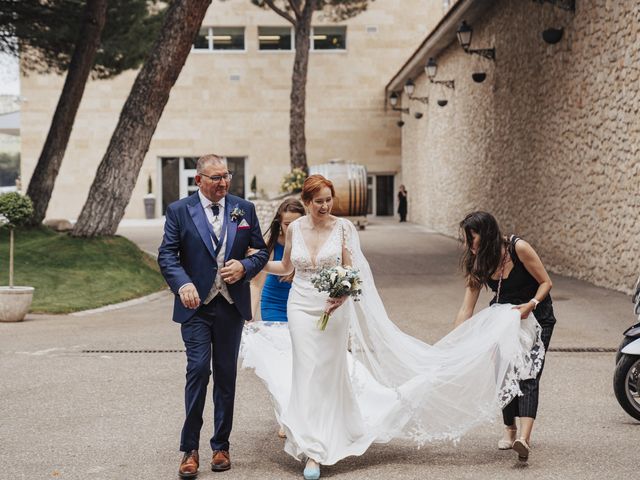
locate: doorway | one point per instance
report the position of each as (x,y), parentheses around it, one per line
(380,199)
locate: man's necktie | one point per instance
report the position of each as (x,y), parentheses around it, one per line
(217,224)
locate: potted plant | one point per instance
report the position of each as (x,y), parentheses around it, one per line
(149,201)
(292,181)
(15,210)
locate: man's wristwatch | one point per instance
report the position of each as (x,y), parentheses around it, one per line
(535,302)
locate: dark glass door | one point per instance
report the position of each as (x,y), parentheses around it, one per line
(384,195)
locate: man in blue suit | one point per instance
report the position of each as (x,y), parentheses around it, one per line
(203,259)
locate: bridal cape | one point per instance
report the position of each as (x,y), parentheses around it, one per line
(363,380)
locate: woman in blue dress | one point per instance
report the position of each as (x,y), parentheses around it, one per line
(275,292)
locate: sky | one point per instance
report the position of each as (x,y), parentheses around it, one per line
(9,77)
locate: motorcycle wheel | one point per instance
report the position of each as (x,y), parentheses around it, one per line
(625,341)
(626,384)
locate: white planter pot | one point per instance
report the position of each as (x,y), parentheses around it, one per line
(15,303)
(149,206)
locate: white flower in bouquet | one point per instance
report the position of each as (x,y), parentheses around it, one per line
(338,282)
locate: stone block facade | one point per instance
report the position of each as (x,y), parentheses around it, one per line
(549,142)
(236,103)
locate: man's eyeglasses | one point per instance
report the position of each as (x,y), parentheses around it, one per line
(217,178)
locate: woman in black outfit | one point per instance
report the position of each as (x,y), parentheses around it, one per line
(512,269)
(402,203)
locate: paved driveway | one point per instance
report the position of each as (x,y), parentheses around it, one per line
(75,406)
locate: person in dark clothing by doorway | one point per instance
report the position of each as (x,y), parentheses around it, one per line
(402,203)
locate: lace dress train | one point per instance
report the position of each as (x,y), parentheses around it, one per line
(362,380)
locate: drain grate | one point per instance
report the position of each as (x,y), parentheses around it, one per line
(133,351)
(552,349)
(583,350)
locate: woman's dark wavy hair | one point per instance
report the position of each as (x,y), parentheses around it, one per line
(288,205)
(479,268)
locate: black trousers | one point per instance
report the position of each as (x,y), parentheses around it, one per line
(527,404)
(212,339)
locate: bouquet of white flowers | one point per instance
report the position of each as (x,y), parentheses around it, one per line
(337,281)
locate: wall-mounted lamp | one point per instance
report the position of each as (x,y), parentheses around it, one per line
(431,68)
(400,123)
(409,88)
(442,103)
(465,32)
(478,77)
(393,100)
(552,35)
(418,115)
(563,4)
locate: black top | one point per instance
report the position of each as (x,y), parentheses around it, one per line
(520,286)
(402,202)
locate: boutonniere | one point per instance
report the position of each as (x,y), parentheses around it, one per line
(236,214)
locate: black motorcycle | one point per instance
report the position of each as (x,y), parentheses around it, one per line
(626,378)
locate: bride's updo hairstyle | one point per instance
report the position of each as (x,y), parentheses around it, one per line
(312,185)
(479,267)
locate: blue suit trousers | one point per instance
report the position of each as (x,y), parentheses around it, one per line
(212,340)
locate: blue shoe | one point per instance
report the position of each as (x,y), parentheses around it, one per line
(311,473)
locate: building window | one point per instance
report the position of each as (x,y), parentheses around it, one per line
(330,38)
(275,38)
(219,38)
(178,178)
(236,166)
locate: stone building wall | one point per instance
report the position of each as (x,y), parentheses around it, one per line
(237,104)
(550,142)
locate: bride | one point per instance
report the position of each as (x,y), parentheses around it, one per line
(362,380)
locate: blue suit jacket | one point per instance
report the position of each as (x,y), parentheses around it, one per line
(187,251)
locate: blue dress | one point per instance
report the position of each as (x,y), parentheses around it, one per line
(273,301)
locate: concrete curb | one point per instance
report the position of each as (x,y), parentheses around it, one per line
(117,306)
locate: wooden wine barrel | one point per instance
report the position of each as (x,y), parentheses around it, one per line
(350,183)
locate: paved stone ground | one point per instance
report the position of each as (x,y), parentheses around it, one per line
(71,414)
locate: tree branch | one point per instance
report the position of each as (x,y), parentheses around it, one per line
(280,12)
(296,8)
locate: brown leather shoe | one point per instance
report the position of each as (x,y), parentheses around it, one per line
(220,461)
(189,465)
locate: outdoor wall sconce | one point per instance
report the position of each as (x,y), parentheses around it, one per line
(552,35)
(464,38)
(400,123)
(563,4)
(478,77)
(442,103)
(393,100)
(431,68)
(418,115)
(409,88)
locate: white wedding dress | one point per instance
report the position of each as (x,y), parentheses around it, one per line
(362,380)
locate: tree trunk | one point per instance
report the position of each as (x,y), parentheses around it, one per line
(297,138)
(84,54)
(11,257)
(117,173)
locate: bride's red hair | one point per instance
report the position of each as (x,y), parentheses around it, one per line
(313,184)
